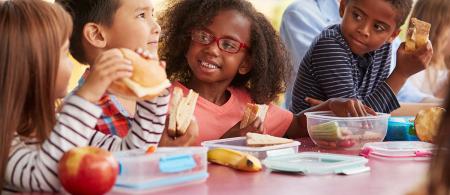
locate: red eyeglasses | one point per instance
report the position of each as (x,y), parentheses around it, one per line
(224,44)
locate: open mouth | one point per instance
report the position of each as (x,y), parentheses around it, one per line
(208,65)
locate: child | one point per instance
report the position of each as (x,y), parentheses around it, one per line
(100,25)
(352,59)
(438,179)
(433,81)
(32,78)
(230,54)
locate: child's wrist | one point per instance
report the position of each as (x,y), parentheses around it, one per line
(400,75)
(87,96)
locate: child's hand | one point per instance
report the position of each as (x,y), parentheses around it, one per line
(187,139)
(254,127)
(409,63)
(345,107)
(108,67)
(313,102)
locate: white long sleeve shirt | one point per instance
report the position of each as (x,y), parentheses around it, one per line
(34,168)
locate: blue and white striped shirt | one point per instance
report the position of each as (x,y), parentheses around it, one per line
(330,70)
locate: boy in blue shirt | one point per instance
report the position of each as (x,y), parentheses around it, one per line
(352,59)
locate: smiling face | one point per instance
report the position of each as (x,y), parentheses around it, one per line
(368,24)
(134,27)
(208,62)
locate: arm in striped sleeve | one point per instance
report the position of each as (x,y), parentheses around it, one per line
(333,70)
(146,129)
(34,168)
(31,168)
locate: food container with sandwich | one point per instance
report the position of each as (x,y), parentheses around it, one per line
(350,133)
(166,168)
(258,145)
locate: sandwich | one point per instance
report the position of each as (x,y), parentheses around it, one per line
(148,79)
(417,35)
(181,111)
(427,123)
(251,112)
(260,140)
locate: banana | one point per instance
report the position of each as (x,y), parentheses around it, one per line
(234,159)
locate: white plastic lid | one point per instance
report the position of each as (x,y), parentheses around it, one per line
(398,150)
(317,163)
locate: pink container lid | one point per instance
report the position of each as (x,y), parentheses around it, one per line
(398,150)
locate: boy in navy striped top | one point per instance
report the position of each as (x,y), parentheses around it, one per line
(352,59)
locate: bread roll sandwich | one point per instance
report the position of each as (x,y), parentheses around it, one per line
(148,80)
(251,112)
(427,123)
(417,35)
(260,140)
(181,111)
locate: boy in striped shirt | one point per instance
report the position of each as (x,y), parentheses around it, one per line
(100,25)
(352,59)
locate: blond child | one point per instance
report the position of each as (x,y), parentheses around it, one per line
(33,137)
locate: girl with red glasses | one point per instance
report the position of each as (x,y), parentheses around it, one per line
(231,55)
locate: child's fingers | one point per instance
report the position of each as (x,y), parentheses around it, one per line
(369,110)
(193,128)
(312,101)
(112,63)
(114,72)
(351,108)
(109,55)
(256,126)
(119,75)
(360,109)
(425,48)
(146,54)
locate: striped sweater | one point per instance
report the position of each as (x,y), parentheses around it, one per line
(34,168)
(330,70)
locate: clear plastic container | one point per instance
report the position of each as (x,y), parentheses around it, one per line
(317,163)
(350,133)
(398,150)
(167,167)
(238,143)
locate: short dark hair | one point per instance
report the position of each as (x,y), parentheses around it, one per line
(403,8)
(271,64)
(86,11)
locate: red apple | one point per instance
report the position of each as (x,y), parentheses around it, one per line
(88,170)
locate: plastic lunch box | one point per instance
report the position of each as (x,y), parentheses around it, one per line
(238,143)
(167,167)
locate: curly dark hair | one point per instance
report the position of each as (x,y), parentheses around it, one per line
(271,64)
(402,7)
(86,11)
